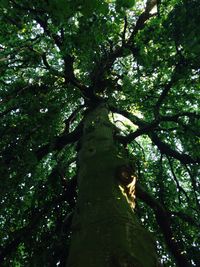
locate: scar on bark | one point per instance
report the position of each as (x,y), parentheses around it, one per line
(126,178)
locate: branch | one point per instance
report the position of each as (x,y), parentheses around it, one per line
(185,217)
(143,130)
(60,142)
(124,31)
(45,62)
(162,97)
(105,63)
(68,59)
(147,128)
(194,185)
(163,220)
(178,115)
(167,150)
(69,69)
(146,15)
(36,214)
(137,121)
(167,87)
(71,118)
(180,189)
(20,235)
(150,5)
(134,119)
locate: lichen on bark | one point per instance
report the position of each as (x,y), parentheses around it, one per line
(105,230)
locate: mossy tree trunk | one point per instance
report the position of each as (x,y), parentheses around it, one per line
(105,230)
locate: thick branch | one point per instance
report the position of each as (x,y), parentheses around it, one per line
(106,62)
(142,19)
(147,128)
(60,142)
(143,130)
(139,122)
(57,144)
(167,150)
(68,59)
(186,218)
(163,220)
(162,97)
(134,119)
(71,118)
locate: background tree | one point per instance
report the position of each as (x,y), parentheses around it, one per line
(59,58)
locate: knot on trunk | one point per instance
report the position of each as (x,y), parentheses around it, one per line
(125,174)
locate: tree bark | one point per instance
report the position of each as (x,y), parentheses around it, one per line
(105,230)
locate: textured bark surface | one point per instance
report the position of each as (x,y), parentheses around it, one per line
(105,230)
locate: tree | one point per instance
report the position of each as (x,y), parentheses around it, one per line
(95,95)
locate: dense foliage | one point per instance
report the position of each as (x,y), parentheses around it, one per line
(57,59)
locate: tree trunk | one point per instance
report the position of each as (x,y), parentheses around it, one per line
(105,230)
